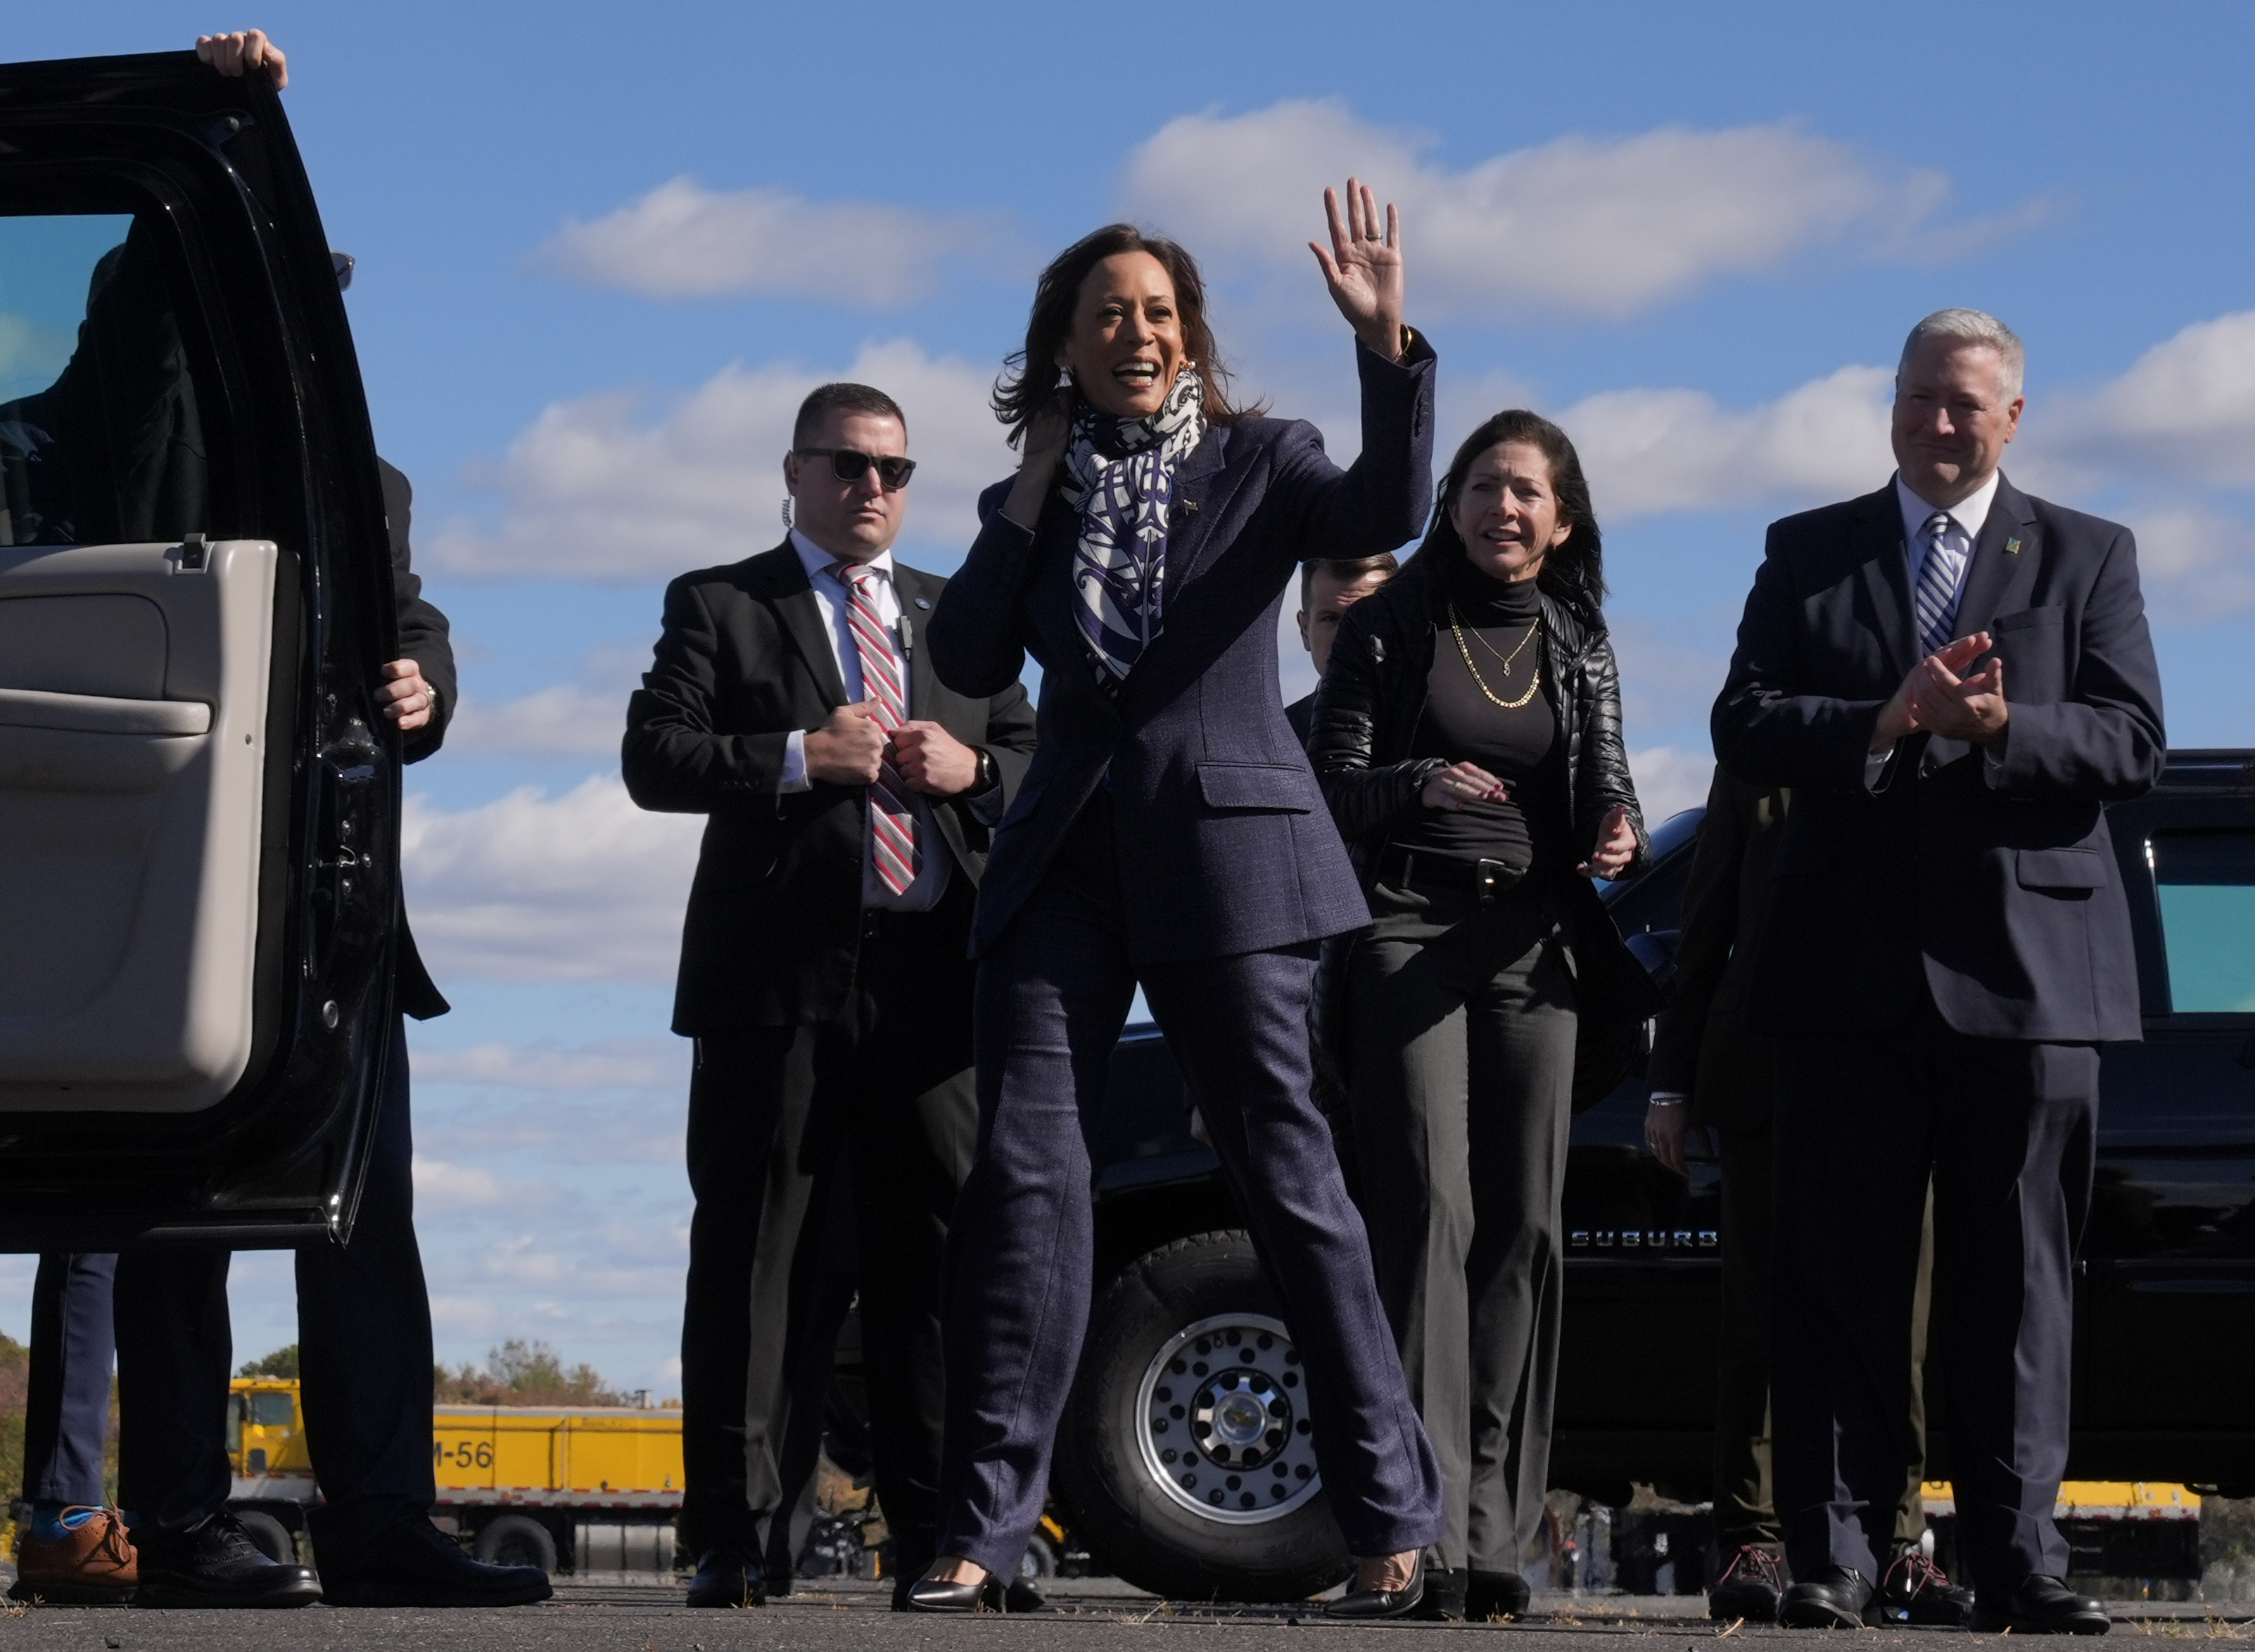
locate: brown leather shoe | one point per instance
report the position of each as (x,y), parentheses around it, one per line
(90,1566)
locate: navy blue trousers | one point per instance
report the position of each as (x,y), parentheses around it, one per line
(2006,1131)
(364,1342)
(1052,997)
(66,1413)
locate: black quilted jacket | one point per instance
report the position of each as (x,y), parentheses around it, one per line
(1369,702)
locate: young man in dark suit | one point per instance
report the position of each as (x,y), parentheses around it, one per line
(1955,679)
(824,973)
(1327,589)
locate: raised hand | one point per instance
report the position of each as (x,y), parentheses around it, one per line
(236,54)
(1044,449)
(1364,267)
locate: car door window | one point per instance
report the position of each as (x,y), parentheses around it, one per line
(2205,883)
(134,669)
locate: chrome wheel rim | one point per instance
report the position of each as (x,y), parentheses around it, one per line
(1221,1418)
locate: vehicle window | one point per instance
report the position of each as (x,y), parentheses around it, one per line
(102,434)
(2206,884)
(272,1411)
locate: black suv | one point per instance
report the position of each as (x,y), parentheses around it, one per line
(2166,1321)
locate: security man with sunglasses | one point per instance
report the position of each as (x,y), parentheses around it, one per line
(825,974)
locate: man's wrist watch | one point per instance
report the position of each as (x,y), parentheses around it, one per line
(990,772)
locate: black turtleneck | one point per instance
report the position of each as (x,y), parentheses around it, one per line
(1463,725)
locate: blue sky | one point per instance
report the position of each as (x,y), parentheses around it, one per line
(601,254)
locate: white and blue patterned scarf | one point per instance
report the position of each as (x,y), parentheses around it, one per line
(1120,475)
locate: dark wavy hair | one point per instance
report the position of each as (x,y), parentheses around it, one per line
(1574,572)
(1027,380)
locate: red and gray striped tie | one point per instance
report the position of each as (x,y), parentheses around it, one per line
(893,847)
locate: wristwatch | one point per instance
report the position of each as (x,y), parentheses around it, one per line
(990,773)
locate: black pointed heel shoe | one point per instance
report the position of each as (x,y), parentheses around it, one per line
(1383,1603)
(929,1594)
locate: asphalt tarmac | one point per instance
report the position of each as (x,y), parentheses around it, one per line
(1096,1616)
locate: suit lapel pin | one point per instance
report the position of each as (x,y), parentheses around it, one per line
(925,602)
(2012,547)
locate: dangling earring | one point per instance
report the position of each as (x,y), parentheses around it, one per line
(786,512)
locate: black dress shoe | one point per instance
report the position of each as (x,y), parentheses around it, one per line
(1444,1595)
(1495,1594)
(2039,1606)
(929,1594)
(1021,1596)
(1749,1587)
(1917,1590)
(728,1575)
(214,1564)
(1833,1598)
(413,1563)
(1383,1603)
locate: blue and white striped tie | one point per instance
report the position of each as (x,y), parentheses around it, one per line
(1936,596)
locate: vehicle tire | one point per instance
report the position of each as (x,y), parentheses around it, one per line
(1185,1453)
(517,1540)
(1039,1561)
(272,1537)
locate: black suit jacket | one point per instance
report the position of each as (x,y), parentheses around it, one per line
(1998,896)
(1300,716)
(774,924)
(1222,833)
(423,638)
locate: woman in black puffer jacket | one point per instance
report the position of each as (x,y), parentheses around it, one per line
(1468,739)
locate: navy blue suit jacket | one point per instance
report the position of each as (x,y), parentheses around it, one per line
(1997,895)
(1225,844)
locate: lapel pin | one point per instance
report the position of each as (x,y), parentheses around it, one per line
(2012,547)
(1190,507)
(925,602)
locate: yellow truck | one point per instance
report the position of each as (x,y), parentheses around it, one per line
(581,1489)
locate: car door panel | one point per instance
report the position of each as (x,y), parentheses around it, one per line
(133,704)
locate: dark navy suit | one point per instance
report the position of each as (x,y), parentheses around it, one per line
(1948,945)
(1173,835)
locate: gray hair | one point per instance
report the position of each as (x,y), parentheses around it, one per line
(1973,326)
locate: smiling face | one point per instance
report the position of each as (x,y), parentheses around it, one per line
(856,520)
(1951,418)
(1126,345)
(1507,511)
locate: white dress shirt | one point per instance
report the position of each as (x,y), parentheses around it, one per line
(1967,518)
(830,594)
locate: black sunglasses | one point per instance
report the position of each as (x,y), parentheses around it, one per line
(849,464)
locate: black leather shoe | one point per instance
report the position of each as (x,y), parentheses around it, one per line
(929,1594)
(1917,1590)
(2039,1606)
(1383,1603)
(1021,1596)
(1834,1598)
(727,1577)
(1444,1595)
(1495,1594)
(214,1564)
(414,1563)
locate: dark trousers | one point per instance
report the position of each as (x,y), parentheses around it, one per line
(2005,1129)
(67,1411)
(1461,1054)
(364,1345)
(771,1112)
(1746,1511)
(808,1384)
(1053,996)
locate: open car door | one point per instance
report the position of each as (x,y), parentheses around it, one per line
(199,801)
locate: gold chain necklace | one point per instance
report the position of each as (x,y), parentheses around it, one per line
(1534,682)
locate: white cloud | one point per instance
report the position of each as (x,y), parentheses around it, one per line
(641,1063)
(529,887)
(2196,564)
(440,1185)
(1653,451)
(1604,227)
(564,721)
(684,241)
(1670,780)
(595,489)
(2185,408)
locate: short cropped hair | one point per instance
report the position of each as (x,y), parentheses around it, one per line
(1973,326)
(1345,570)
(825,399)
